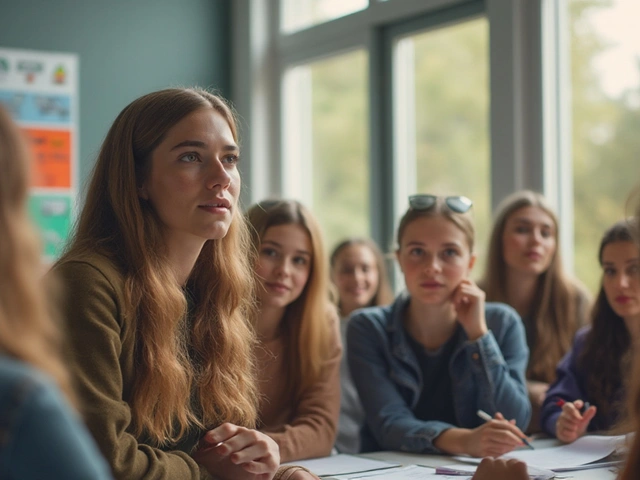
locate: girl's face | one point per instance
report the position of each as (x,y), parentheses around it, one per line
(434,257)
(193,182)
(355,274)
(529,240)
(621,278)
(284,264)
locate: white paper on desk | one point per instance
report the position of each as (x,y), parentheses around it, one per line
(534,473)
(409,472)
(342,464)
(577,455)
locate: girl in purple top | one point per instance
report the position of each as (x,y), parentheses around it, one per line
(588,391)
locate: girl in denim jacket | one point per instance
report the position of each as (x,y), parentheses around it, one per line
(426,364)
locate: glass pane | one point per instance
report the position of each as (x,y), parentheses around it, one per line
(326,142)
(300,14)
(605,108)
(442,85)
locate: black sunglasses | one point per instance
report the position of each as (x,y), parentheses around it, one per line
(458,203)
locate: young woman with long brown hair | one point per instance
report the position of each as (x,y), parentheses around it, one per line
(40,435)
(300,348)
(594,370)
(159,292)
(524,270)
(359,274)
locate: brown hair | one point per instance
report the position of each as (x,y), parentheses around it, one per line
(307,316)
(27,329)
(121,226)
(554,314)
(631,469)
(607,345)
(383,294)
(463,221)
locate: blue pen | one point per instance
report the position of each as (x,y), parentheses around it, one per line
(486,417)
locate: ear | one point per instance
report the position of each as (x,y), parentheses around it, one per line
(472,261)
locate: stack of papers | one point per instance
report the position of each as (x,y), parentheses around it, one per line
(342,464)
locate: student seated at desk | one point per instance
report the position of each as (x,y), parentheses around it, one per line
(299,349)
(41,436)
(425,365)
(595,370)
(359,273)
(524,270)
(158,289)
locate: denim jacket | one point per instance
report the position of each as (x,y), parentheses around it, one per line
(486,374)
(40,437)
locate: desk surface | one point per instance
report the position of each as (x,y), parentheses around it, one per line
(440,460)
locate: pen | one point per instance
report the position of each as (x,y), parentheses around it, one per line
(486,417)
(584,408)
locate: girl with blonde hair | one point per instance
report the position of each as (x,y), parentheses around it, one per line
(359,274)
(524,269)
(300,348)
(426,364)
(40,435)
(158,294)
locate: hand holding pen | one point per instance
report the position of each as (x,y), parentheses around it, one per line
(574,419)
(495,437)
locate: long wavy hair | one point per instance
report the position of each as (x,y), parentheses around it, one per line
(554,313)
(125,228)
(28,331)
(383,294)
(607,345)
(308,318)
(631,469)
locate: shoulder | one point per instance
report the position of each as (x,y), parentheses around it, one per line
(581,337)
(14,372)
(501,314)
(377,317)
(89,267)
(20,383)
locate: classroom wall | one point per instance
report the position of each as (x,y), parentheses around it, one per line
(126,48)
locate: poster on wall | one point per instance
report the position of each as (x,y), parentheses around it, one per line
(40,91)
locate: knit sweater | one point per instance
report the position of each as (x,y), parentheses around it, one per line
(304,425)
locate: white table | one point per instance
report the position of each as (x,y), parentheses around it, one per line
(441,460)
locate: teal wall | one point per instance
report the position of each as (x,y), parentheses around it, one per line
(126,48)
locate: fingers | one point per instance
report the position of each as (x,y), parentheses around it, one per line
(571,423)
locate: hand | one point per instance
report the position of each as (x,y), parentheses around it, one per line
(302,475)
(230,452)
(537,392)
(494,438)
(497,469)
(571,423)
(468,301)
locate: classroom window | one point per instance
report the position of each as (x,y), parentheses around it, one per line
(605,110)
(325,141)
(441,97)
(300,14)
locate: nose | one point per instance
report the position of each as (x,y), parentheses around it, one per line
(623,281)
(283,268)
(431,264)
(358,275)
(536,236)
(218,176)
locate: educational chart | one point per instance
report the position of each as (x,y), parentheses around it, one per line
(40,91)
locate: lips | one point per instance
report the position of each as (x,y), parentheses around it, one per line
(277,287)
(431,285)
(217,203)
(623,299)
(534,255)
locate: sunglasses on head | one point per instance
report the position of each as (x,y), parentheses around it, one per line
(457,203)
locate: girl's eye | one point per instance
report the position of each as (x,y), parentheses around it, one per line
(545,233)
(450,252)
(633,270)
(522,229)
(232,159)
(268,252)
(416,252)
(300,261)
(189,157)
(609,272)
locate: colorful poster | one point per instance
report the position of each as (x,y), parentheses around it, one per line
(40,91)
(52,214)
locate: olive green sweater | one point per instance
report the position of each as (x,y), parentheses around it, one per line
(101,356)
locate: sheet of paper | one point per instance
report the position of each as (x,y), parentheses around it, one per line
(534,472)
(342,464)
(410,472)
(574,456)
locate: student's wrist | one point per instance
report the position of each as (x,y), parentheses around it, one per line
(453,441)
(477,333)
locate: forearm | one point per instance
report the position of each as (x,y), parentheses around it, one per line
(298,442)
(452,441)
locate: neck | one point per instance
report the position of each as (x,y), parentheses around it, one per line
(521,288)
(431,325)
(182,256)
(346,309)
(269,323)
